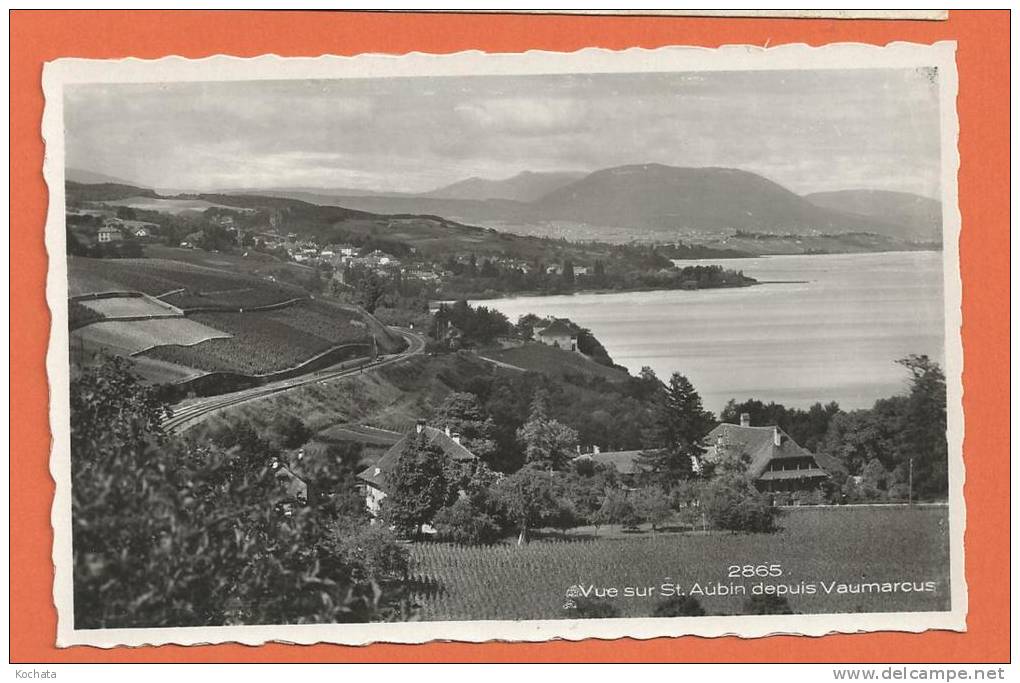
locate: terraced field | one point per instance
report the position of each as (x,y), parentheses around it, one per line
(128,337)
(202,286)
(130,307)
(267,341)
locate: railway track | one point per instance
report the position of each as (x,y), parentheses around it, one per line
(186,414)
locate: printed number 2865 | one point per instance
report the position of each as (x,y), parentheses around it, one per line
(752,570)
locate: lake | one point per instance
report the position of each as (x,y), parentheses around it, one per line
(833,335)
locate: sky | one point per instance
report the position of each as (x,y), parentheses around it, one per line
(808,130)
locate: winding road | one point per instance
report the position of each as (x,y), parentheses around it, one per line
(186,413)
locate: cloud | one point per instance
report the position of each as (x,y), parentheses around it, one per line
(807,130)
(523,115)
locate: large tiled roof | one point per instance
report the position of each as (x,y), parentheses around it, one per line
(759,444)
(375,475)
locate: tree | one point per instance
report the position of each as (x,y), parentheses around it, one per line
(676,440)
(463,522)
(419,485)
(586,487)
(195,533)
(651,504)
(529,498)
(288,431)
(617,508)
(464,415)
(568,273)
(924,427)
(369,288)
(476,516)
(731,502)
(331,474)
(113,414)
(547,443)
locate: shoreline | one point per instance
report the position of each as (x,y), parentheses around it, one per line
(631,290)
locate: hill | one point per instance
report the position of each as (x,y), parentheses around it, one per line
(646,202)
(80,175)
(911,216)
(402,234)
(78,193)
(527,186)
(692,199)
(553,362)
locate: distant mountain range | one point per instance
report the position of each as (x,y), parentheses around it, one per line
(920,217)
(78,175)
(523,187)
(648,201)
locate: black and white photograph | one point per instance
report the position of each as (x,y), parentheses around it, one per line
(598,344)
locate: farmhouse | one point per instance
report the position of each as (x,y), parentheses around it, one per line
(556,332)
(109,233)
(776,462)
(374,477)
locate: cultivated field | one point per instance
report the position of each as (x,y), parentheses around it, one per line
(268,341)
(130,307)
(202,286)
(849,545)
(174,206)
(128,337)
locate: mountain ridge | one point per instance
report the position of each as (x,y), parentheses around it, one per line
(654,202)
(921,216)
(526,186)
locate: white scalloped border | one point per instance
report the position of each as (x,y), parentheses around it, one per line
(69,71)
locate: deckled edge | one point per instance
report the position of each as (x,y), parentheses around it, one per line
(57,74)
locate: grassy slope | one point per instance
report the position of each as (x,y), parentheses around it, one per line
(552,361)
(391,398)
(816,544)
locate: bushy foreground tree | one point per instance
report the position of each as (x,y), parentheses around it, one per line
(204,533)
(732,502)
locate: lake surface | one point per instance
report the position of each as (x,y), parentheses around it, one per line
(833,336)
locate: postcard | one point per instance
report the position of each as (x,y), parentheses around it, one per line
(522,347)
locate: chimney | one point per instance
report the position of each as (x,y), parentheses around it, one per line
(455,436)
(776,438)
(419,426)
(745,419)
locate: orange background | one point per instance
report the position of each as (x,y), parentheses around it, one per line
(983,60)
